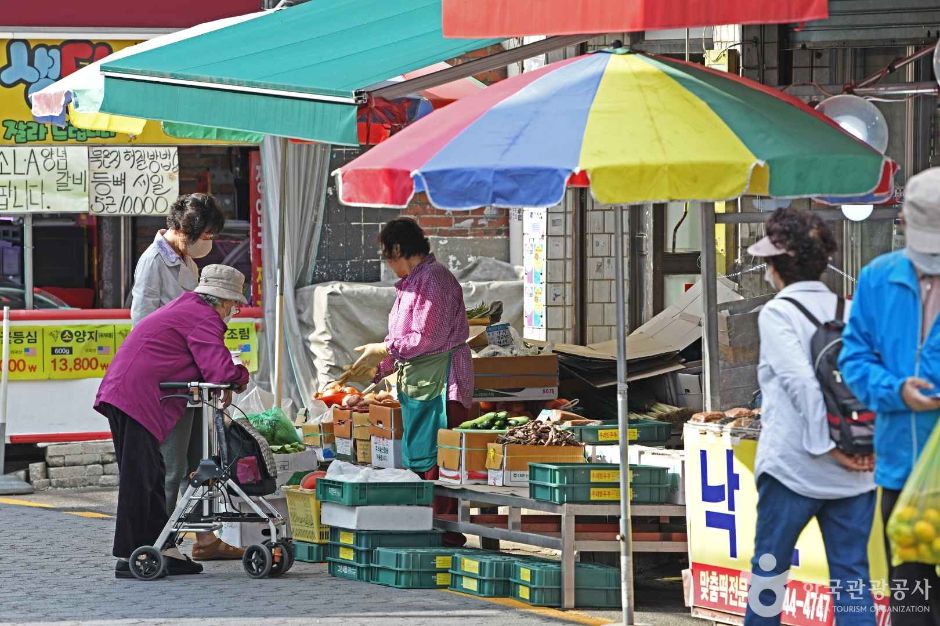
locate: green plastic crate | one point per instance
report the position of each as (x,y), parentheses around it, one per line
(350,555)
(365,494)
(639,432)
(597,493)
(309,552)
(488,566)
(406,579)
(584,597)
(492,588)
(584,473)
(340,569)
(417,559)
(363,539)
(548,574)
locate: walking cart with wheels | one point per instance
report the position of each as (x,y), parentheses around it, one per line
(237,462)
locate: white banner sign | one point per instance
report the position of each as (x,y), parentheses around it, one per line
(133,181)
(43,180)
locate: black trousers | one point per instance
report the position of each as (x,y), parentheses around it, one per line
(915,600)
(141,508)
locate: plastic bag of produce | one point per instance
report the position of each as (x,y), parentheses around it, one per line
(275,427)
(914,526)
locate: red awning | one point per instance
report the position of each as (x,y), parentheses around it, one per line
(513,18)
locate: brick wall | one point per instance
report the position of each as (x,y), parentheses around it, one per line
(476,223)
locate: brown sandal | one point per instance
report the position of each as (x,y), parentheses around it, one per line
(218,550)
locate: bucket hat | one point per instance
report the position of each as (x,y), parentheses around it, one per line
(223,282)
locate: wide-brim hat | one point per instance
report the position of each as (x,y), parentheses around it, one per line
(765,248)
(223,282)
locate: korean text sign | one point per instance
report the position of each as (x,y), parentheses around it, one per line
(132,181)
(721,511)
(43,179)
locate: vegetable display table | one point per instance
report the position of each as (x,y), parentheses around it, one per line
(517,499)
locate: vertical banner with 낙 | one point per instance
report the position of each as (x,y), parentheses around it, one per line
(78,351)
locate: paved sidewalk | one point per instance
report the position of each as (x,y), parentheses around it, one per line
(56,568)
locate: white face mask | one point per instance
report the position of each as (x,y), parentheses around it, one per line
(228,318)
(769,277)
(199,248)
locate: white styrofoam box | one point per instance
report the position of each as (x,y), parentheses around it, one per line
(243,535)
(611,453)
(507,478)
(287,464)
(402,518)
(674,460)
(386,452)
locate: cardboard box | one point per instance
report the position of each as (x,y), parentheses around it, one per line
(385,421)
(508,464)
(346,449)
(315,436)
(386,452)
(516,378)
(288,464)
(344,421)
(325,428)
(363,453)
(399,518)
(461,455)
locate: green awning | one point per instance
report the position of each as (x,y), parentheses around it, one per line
(293,73)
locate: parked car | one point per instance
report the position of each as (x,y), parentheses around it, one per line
(14,296)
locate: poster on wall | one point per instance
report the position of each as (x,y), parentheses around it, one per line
(721,512)
(132,181)
(28,65)
(534,250)
(42,179)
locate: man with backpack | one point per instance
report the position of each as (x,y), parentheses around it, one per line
(891,360)
(801,473)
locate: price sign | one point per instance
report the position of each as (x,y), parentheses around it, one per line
(243,337)
(78,351)
(132,181)
(26,353)
(48,179)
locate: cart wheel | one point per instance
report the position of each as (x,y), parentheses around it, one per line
(146,563)
(283,556)
(257,561)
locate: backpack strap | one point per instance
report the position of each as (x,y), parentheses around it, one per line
(840,308)
(804,311)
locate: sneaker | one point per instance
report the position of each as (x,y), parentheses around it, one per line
(123,570)
(182,567)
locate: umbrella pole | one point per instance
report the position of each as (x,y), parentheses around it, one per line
(710,310)
(279,302)
(623,412)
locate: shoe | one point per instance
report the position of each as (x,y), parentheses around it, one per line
(123,570)
(218,550)
(182,567)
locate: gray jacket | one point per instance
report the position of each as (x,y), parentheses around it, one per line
(161,276)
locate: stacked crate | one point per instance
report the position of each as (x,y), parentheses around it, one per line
(539,584)
(588,483)
(309,533)
(486,575)
(415,568)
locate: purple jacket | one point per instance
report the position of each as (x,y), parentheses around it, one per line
(180,342)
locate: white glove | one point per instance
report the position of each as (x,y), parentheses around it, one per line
(372,355)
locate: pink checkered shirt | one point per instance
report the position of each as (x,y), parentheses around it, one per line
(429,317)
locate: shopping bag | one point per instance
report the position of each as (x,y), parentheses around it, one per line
(275,427)
(914,525)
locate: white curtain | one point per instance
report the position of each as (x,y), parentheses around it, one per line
(300,172)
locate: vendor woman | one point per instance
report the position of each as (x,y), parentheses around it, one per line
(426,344)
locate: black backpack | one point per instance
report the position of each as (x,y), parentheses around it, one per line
(851,424)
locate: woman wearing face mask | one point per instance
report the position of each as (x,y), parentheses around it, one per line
(165,271)
(800,473)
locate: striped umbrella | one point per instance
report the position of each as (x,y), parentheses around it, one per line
(634,127)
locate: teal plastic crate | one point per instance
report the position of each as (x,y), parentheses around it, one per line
(485,588)
(348,571)
(488,566)
(363,539)
(584,597)
(411,579)
(598,493)
(548,574)
(349,554)
(310,552)
(365,494)
(585,473)
(418,559)
(651,432)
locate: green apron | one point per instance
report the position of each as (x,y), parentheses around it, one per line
(422,392)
